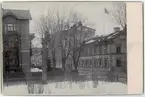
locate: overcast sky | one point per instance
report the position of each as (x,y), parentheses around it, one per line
(92,11)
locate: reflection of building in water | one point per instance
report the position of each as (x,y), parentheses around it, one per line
(82,84)
(16,42)
(104,54)
(95,83)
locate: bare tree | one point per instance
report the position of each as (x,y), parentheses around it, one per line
(118,13)
(44,30)
(58,23)
(78,39)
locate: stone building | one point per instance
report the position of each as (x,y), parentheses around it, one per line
(16,40)
(104,54)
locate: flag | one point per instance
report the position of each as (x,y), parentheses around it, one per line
(106,11)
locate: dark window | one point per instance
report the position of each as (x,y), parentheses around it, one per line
(118,49)
(85,61)
(118,62)
(88,63)
(106,62)
(10,27)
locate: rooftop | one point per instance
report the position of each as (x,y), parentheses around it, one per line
(104,38)
(19,14)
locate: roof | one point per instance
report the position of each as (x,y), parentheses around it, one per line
(19,14)
(105,38)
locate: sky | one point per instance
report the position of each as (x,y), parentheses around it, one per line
(92,11)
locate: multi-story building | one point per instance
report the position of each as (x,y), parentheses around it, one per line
(77,35)
(74,36)
(16,40)
(104,54)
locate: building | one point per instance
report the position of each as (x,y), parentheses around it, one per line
(16,40)
(104,54)
(74,36)
(77,33)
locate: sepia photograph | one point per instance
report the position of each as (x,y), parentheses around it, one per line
(64,48)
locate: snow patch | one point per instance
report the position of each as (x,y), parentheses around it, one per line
(36,70)
(71,88)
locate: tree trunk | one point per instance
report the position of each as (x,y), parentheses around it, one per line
(44,63)
(75,66)
(54,64)
(63,64)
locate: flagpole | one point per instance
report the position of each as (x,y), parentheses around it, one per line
(105,12)
(104,23)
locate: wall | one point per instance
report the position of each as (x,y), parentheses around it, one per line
(25,43)
(91,51)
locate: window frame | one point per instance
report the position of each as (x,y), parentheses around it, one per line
(105,61)
(118,60)
(118,48)
(8,27)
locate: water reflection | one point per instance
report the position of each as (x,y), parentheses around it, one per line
(60,83)
(35,88)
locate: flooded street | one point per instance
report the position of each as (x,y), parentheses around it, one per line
(68,86)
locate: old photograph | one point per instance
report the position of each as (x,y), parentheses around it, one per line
(64,48)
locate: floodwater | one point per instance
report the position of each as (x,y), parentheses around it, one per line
(68,86)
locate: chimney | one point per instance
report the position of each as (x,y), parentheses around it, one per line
(116,29)
(79,23)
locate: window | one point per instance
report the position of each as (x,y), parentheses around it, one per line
(100,63)
(97,50)
(86,50)
(92,62)
(100,49)
(96,64)
(106,62)
(91,65)
(118,49)
(10,27)
(93,50)
(88,53)
(83,63)
(88,63)
(105,48)
(118,62)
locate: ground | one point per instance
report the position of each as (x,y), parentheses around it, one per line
(67,88)
(66,83)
